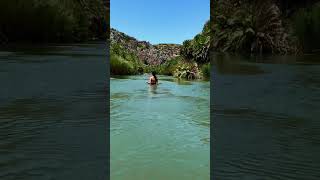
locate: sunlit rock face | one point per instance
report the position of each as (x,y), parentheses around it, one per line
(147,52)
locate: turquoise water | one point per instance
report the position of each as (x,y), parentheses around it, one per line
(159,132)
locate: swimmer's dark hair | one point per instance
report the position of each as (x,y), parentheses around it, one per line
(154,75)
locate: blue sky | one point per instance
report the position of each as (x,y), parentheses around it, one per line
(159,21)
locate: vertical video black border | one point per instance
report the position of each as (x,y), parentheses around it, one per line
(107,51)
(211,93)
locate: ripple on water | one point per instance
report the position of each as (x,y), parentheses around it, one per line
(52,113)
(287,135)
(163,121)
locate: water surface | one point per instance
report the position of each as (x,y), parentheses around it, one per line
(265,117)
(159,132)
(53,112)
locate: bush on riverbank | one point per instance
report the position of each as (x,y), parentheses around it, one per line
(177,67)
(119,66)
(205,69)
(188,70)
(123,62)
(166,68)
(180,68)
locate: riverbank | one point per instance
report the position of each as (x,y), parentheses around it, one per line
(177,67)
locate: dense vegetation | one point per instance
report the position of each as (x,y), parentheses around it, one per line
(196,53)
(191,63)
(197,49)
(52,20)
(123,62)
(269,26)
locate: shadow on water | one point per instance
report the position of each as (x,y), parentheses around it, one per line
(228,64)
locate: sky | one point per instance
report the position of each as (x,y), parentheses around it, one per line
(159,21)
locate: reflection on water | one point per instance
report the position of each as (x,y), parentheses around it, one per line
(265,117)
(159,131)
(227,65)
(153,89)
(52,113)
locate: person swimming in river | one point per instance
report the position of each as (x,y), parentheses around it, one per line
(153,80)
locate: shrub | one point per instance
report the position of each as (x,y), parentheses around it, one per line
(119,66)
(187,70)
(167,68)
(205,69)
(122,62)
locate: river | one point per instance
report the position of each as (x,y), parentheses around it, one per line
(265,117)
(159,132)
(53,109)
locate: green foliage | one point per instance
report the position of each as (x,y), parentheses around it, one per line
(197,49)
(307,27)
(194,52)
(167,68)
(187,70)
(122,62)
(125,60)
(250,26)
(51,20)
(205,69)
(119,66)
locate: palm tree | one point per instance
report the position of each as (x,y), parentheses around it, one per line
(252,26)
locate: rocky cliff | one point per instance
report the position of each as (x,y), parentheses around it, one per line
(146,52)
